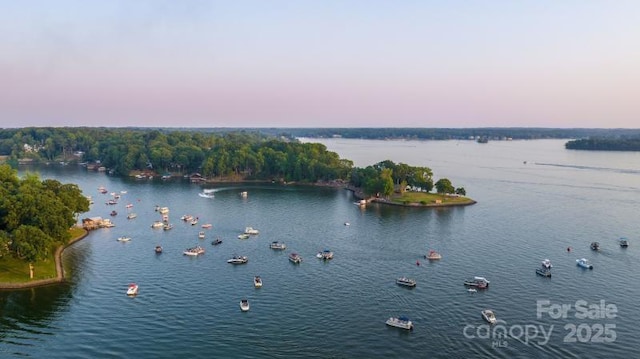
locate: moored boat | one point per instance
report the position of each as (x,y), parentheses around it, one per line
(158,249)
(433,255)
(624,243)
(257,281)
(244,305)
(325,255)
(207,225)
(584,263)
(400,322)
(595,246)
(201,235)
(124,239)
(167,226)
(546,264)
(406,282)
(157,224)
(243,236)
(295,258)
(489,316)
(113,213)
(132,290)
(238,259)
(251,230)
(477,282)
(216,241)
(277,245)
(131,215)
(194,251)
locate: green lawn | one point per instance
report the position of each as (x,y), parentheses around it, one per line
(428,198)
(14,270)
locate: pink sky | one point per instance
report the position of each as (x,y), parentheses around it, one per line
(320,64)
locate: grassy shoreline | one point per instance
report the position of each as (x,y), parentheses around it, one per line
(14,273)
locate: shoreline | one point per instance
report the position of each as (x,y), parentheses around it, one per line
(60,278)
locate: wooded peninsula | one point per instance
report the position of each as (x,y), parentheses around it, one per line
(37,217)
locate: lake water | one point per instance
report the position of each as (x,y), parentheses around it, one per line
(535,199)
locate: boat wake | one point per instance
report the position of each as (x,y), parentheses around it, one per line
(591,168)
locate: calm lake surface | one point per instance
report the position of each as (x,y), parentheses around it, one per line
(535,199)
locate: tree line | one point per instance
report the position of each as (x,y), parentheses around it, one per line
(605,144)
(237,155)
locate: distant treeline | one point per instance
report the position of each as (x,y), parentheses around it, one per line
(491,133)
(225,155)
(605,144)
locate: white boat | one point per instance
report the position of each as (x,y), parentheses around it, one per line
(472,290)
(584,263)
(130,205)
(163,210)
(244,305)
(201,235)
(194,251)
(132,289)
(277,245)
(295,258)
(186,217)
(167,227)
(157,224)
(206,195)
(124,239)
(325,255)
(489,316)
(243,236)
(243,194)
(194,221)
(207,225)
(400,322)
(257,281)
(238,259)
(131,215)
(546,264)
(407,282)
(250,230)
(433,255)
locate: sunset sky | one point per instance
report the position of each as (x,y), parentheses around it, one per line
(324,63)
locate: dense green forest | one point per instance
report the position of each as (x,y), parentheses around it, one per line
(605,144)
(234,155)
(242,155)
(35,215)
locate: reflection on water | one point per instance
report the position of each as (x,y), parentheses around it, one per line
(190,306)
(28,314)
